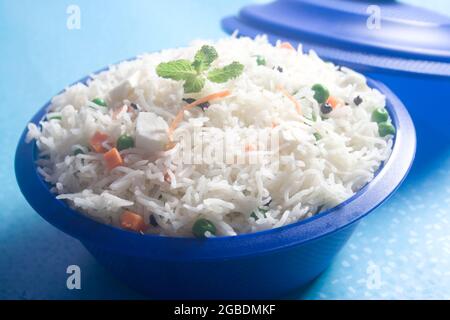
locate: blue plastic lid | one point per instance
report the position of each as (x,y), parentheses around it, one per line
(386,35)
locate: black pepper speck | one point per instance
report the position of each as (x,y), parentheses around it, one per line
(326,108)
(153,221)
(358,100)
(203,106)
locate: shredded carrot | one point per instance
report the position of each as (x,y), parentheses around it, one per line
(214,96)
(97,141)
(167,178)
(249,147)
(274,125)
(290,97)
(287,45)
(132,221)
(179,117)
(113,159)
(175,123)
(170,145)
(334,102)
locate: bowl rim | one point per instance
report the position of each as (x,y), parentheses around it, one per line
(93,233)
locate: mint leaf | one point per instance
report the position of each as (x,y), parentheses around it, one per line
(194,73)
(176,70)
(204,57)
(194,84)
(221,75)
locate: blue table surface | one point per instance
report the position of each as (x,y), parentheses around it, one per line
(401,251)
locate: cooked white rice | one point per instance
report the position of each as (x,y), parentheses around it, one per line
(301,178)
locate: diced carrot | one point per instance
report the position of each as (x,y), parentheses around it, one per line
(334,102)
(132,221)
(180,114)
(113,159)
(97,141)
(298,107)
(287,45)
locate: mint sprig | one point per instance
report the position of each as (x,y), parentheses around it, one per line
(193,73)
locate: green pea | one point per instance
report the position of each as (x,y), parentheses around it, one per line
(380,115)
(317,136)
(100,102)
(321,94)
(261,61)
(202,226)
(260,210)
(125,142)
(385,129)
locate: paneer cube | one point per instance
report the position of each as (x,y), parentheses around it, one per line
(124,89)
(151,132)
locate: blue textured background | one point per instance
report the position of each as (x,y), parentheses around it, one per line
(401,251)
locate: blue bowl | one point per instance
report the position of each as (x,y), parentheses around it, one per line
(262,265)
